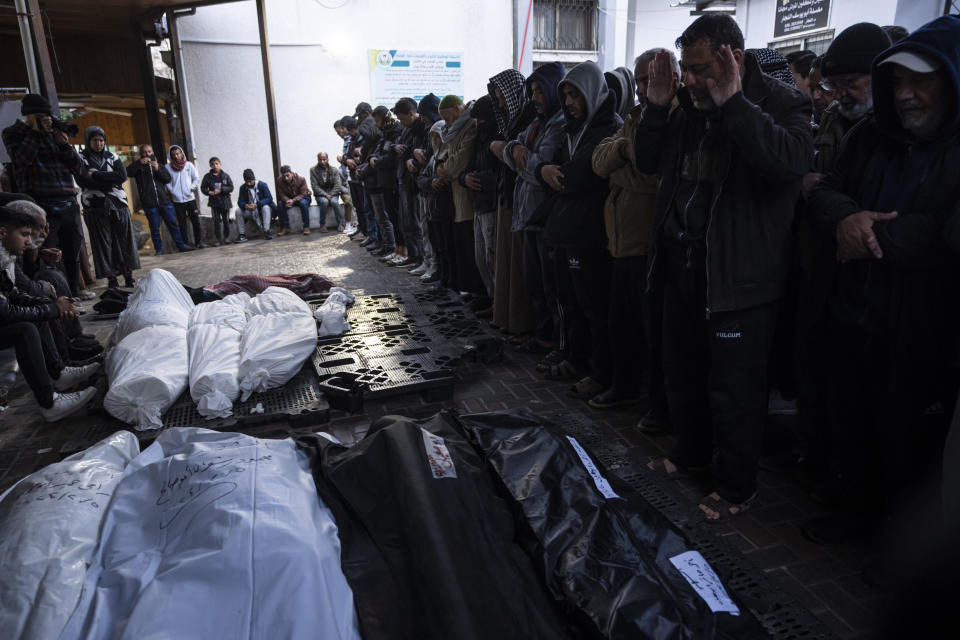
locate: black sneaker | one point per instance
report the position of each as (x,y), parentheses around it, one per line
(185,248)
(242,239)
(267,236)
(653,422)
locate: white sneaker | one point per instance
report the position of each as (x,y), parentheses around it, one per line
(423,268)
(87,295)
(388,257)
(66,403)
(72,376)
(429,274)
(397,259)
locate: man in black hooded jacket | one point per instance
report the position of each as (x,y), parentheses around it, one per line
(731,159)
(892,205)
(573,224)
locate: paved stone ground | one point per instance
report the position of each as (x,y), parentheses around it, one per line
(825,581)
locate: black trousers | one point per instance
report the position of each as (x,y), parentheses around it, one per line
(183,211)
(221,224)
(583,286)
(715,377)
(538,276)
(462,261)
(628,334)
(438,230)
(66,234)
(37,356)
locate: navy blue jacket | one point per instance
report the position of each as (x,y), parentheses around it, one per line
(264,197)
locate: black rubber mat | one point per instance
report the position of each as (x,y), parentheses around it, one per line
(299,402)
(781,615)
(404,343)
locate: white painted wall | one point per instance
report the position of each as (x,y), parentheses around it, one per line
(320,69)
(658,25)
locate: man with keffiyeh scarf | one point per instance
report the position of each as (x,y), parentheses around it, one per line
(511,304)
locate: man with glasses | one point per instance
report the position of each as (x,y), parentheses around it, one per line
(845,70)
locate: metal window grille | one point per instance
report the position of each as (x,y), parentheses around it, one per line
(567,25)
(951,7)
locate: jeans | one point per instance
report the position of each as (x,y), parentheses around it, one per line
(262,220)
(484,244)
(715,376)
(37,356)
(66,234)
(384,226)
(332,201)
(221,224)
(304,206)
(188,210)
(423,210)
(166,213)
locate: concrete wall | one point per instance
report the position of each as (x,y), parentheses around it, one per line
(320,68)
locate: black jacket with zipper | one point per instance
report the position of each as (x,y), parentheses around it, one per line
(222,200)
(19,306)
(151,185)
(765,149)
(386,168)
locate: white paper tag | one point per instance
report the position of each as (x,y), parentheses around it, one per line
(705,582)
(598,480)
(441,464)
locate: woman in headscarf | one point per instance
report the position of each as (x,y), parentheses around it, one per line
(105,211)
(512,311)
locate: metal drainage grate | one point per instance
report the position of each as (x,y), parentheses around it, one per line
(779,613)
(394,374)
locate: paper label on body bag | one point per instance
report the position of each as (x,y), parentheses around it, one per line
(598,480)
(704,580)
(441,463)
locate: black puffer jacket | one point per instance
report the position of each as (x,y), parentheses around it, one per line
(369,138)
(764,149)
(17,306)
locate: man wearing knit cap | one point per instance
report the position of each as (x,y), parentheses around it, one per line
(845,68)
(846,72)
(43,167)
(891,205)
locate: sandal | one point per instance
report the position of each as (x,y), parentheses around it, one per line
(724,509)
(563,370)
(551,359)
(585,389)
(659,467)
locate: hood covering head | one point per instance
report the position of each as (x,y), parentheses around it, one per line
(428,107)
(588,79)
(483,110)
(510,83)
(620,82)
(773,64)
(35,103)
(548,78)
(175,165)
(937,42)
(249,175)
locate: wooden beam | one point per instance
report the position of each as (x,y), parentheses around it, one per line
(268,86)
(48,85)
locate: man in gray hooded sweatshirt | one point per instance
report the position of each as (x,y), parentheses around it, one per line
(572,217)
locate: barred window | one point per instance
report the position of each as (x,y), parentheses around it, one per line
(565,25)
(816,42)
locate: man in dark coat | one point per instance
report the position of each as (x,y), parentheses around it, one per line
(891,204)
(731,159)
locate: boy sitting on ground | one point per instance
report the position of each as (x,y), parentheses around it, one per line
(24,325)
